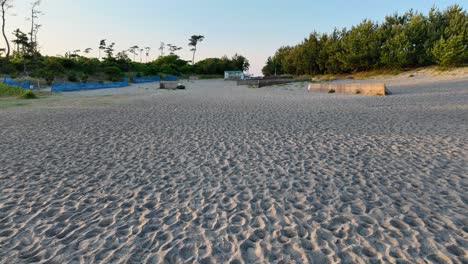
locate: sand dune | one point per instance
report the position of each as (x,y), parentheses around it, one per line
(227,174)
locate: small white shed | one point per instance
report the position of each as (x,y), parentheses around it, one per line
(234,75)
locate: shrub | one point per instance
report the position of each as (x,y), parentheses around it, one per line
(28,95)
(84,77)
(450,52)
(113,73)
(7,67)
(49,77)
(55,68)
(72,77)
(8,90)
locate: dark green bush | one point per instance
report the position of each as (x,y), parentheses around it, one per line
(28,95)
(54,67)
(49,77)
(113,73)
(84,77)
(8,90)
(400,41)
(7,67)
(451,52)
(72,77)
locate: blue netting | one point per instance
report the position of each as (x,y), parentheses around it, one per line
(65,87)
(146,79)
(9,81)
(169,78)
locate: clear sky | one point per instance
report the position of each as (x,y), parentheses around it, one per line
(253,28)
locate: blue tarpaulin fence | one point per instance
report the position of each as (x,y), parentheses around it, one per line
(169,78)
(154,79)
(146,79)
(9,81)
(66,87)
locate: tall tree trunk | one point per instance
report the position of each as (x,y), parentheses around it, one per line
(193,58)
(32,30)
(3,31)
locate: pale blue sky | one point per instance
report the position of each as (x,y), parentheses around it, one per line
(253,28)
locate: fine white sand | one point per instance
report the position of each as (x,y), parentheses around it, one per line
(225,174)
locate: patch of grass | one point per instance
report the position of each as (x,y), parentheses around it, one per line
(28,95)
(8,90)
(373,73)
(440,68)
(331,91)
(325,78)
(357,75)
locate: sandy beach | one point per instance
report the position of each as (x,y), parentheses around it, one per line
(220,173)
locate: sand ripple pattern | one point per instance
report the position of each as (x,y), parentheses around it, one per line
(225,174)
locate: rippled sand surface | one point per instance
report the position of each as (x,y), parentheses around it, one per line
(227,174)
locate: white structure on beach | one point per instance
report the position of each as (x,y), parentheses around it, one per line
(234,75)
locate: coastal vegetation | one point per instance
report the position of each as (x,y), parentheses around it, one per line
(399,42)
(22,58)
(8,91)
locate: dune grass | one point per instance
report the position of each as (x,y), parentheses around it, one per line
(9,91)
(14,92)
(28,95)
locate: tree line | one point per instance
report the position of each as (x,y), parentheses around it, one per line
(22,57)
(401,41)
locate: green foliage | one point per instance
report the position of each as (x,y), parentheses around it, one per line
(75,68)
(170,64)
(28,95)
(84,77)
(401,41)
(8,90)
(72,77)
(113,73)
(361,47)
(237,62)
(217,66)
(49,77)
(451,52)
(212,66)
(7,67)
